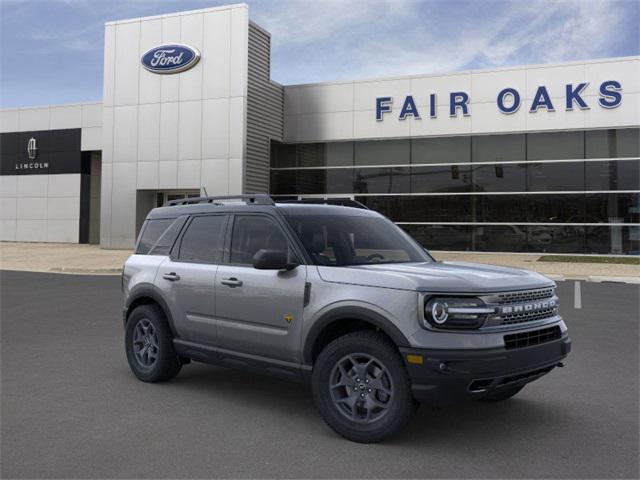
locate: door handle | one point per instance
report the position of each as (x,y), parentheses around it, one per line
(231,282)
(172,277)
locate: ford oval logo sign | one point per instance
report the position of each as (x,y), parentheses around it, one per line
(173,58)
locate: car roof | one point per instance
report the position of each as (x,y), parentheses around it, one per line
(174,211)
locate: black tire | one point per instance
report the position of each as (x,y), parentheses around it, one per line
(391,385)
(158,342)
(502,394)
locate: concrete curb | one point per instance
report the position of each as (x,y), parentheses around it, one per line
(593,278)
(86,271)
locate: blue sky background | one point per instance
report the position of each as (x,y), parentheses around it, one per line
(51,51)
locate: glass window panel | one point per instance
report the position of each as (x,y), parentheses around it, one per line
(387,206)
(499,148)
(310,182)
(556,239)
(441,150)
(564,176)
(624,142)
(613,175)
(382,180)
(499,208)
(434,208)
(559,208)
(283,155)
(382,152)
(613,208)
(310,155)
(613,240)
(252,233)
(445,178)
(151,233)
(555,145)
(499,178)
(203,240)
(500,238)
(441,237)
(339,154)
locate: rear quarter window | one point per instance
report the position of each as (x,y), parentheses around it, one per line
(158,235)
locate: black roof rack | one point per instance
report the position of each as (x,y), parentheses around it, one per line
(343,202)
(256,199)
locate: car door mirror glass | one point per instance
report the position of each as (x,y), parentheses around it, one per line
(272,260)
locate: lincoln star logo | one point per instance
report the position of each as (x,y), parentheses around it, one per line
(172,58)
(527,307)
(32,149)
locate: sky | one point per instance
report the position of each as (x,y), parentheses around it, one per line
(51,51)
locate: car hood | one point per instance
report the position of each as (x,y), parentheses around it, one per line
(436,277)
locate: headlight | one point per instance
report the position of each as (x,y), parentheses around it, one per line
(456,312)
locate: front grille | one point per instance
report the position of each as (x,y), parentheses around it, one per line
(528,316)
(524,296)
(528,339)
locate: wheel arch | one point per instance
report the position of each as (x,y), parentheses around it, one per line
(361,318)
(146,294)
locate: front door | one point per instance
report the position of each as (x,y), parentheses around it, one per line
(188,277)
(259,312)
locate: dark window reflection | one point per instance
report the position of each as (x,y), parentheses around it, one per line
(291,182)
(441,150)
(563,176)
(441,237)
(556,239)
(283,155)
(382,180)
(423,208)
(555,145)
(556,208)
(382,152)
(311,154)
(445,178)
(613,175)
(500,238)
(500,178)
(500,208)
(613,240)
(499,148)
(613,207)
(613,143)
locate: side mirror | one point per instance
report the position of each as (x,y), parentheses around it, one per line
(272,260)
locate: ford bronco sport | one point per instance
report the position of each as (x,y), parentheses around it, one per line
(336,295)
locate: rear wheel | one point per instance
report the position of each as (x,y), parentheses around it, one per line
(502,394)
(361,387)
(149,345)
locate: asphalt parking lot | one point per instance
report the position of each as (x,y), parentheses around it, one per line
(71,408)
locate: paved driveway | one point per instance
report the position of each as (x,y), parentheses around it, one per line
(71,408)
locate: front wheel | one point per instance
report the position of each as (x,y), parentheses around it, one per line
(361,387)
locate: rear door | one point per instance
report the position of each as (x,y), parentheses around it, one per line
(187,278)
(259,312)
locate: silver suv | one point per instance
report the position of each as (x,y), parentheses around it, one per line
(338,296)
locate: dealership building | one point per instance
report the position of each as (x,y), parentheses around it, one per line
(541,158)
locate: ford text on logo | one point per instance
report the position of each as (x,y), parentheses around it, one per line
(172,58)
(508,100)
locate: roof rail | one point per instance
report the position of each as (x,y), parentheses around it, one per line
(343,202)
(256,199)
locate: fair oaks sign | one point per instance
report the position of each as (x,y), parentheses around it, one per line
(173,58)
(508,100)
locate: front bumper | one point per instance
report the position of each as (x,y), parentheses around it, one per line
(450,376)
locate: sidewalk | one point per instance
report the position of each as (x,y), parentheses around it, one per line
(91,259)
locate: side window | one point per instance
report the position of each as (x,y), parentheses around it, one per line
(252,233)
(167,239)
(204,239)
(151,232)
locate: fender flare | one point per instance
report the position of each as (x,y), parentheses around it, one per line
(147,290)
(351,313)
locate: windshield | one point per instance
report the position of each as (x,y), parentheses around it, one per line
(343,241)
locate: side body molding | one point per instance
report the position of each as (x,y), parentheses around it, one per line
(351,313)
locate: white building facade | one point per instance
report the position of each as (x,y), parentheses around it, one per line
(538,158)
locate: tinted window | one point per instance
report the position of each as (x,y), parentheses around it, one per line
(555,208)
(613,175)
(382,152)
(167,239)
(151,233)
(556,238)
(441,150)
(203,240)
(613,143)
(496,238)
(307,182)
(441,237)
(499,178)
(353,240)
(381,180)
(500,208)
(562,176)
(499,148)
(613,208)
(555,145)
(445,178)
(252,233)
